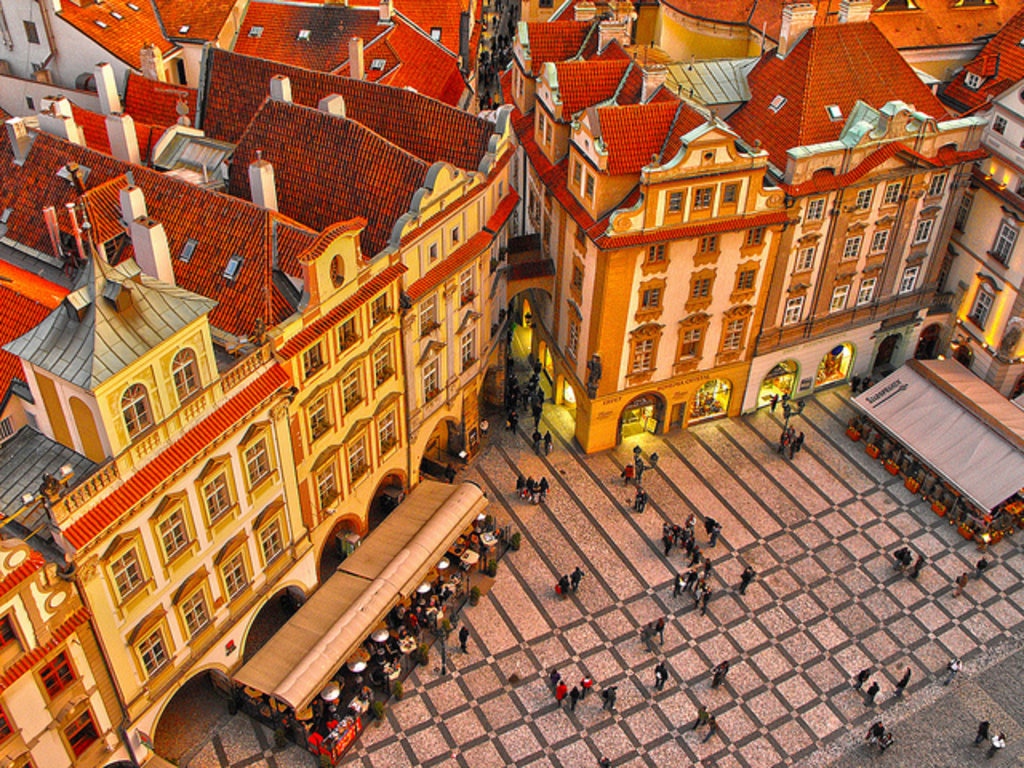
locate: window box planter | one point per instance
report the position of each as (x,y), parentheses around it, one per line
(853,433)
(431,395)
(872,450)
(468,297)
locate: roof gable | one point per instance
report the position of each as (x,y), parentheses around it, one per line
(194,21)
(634,135)
(555,41)
(999,65)
(583,84)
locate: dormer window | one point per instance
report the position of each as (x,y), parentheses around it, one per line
(233,268)
(186,252)
(973,81)
(835,114)
(135,410)
(256,32)
(435,34)
(303,35)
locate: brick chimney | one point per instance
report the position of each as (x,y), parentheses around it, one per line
(152,63)
(356,68)
(281,89)
(149,239)
(386,10)
(654,77)
(124,143)
(20,139)
(261,183)
(332,105)
(797,18)
(56,119)
(854,11)
(584,11)
(106,89)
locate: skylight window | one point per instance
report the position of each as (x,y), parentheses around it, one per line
(435,33)
(100,24)
(304,34)
(234,267)
(188,250)
(6,215)
(378,64)
(777,103)
(116,15)
(256,32)
(183,29)
(834,112)
(133,6)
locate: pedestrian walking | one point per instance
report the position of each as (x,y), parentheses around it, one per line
(712,728)
(705,596)
(574,696)
(464,638)
(798,443)
(862,677)
(660,676)
(659,627)
(915,570)
(702,717)
(980,567)
(875,732)
(542,490)
(449,474)
(585,685)
(513,421)
(718,674)
(715,531)
(561,690)
(961,582)
(773,401)
(954,666)
(745,578)
(563,586)
(609,694)
(783,441)
(547,442)
(695,556)
(869,697)
(536,441)
(707,568)
(998,742)
(982,733)
(604,762)
(903,558)
(666,541)
(691,579)
(576,577)
(902,683)
(677,585)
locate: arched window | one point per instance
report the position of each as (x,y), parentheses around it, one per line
(186,374)
(136,411)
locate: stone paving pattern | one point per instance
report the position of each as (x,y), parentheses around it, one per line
(826,602)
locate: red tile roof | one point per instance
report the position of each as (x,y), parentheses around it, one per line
(816,74)
(94,127)
(423,65)
(124,37)
(237,85)
(31,286)
(154,103)
(709,227)
(583,84)
(318,328)
(633,135)
(362,175)
(325,47)
(941,22)
(18,315)
(177,455)
(57,637)
(28,566)
(502,212)
(555,41)
(204,20)
(436,14)
(1000,63)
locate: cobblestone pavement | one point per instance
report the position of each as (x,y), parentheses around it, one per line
(826,603)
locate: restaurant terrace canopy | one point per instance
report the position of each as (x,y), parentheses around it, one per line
(306,653)
(962,428)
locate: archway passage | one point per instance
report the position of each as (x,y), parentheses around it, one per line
(271,617)
(711,401)
(390,493)
(963,354)
(189,717)
(642,414)
(928,343)
(443,446)
(345,536)
(779,381)
(835,366)
(886,350)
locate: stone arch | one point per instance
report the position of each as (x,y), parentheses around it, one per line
(644,413)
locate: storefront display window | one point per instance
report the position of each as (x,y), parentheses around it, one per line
(835,366)
(779,381)
(711,401)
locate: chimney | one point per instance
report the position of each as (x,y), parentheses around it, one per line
(332,105)
(106,89)
(152,253)
(281,89)
(654,77)
(20,139)
(152,63)
(356,70)
(584,11)
(261,183)
(386,9)
(124,143)
(854,11)
(797,18)
(613,29)
(133,204)
(56,119)
(464,26)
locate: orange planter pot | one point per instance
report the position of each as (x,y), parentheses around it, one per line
(892,467)
(966,531)
(939,509)
(853,434)
(912,485)
(872,451)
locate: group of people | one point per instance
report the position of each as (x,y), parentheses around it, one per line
(872,690)
(572,697)
(569,582)
(996,741)
(906,563)
(534,491)
(790,441)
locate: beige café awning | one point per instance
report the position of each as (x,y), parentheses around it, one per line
(962,428)
(300,659)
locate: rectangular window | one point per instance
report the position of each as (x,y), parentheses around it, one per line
(466,289)
(357,464)
(127,573)
(380,309)
(938,185)
(319,416)
(745,280)
(1006,240)
(892,193)
(982,307)
(8,637)
(651,298)
(729,193)
(217,497)
(701,288)
(839,296)
(816,209)
(733,338)
(456,236)
(675,202)
(964,212)
(702,198)
(236,577)
(864,199)
(708,244)
(691,345)
(195,613)
(589,192)
(866,292)
(999,125)
(351,391)
(851,248)
(880,241)
(573,344)
(656,254)
(31,33)
(923,231)
(81,733)
(804,259)
(327,485)
(467,349)
(643,356)
(909,280)
(348,334)
(257,461)
(271,542)
(153,653)
(173,534)
(755,236)
(432,253)
(428,315)
(312,360)
(383,366)
(577,173)
(5,725)
(388,431)
(431,379)
(794,311)
(577,277)
(57,674)
(6,428)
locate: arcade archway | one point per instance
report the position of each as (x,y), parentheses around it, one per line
(711,401)
(928,343)
(886,351)
(345,536)
(389,494)
(191,714)
(963,354)
(270,618)
(834,366)
(779,381)
(642,414)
